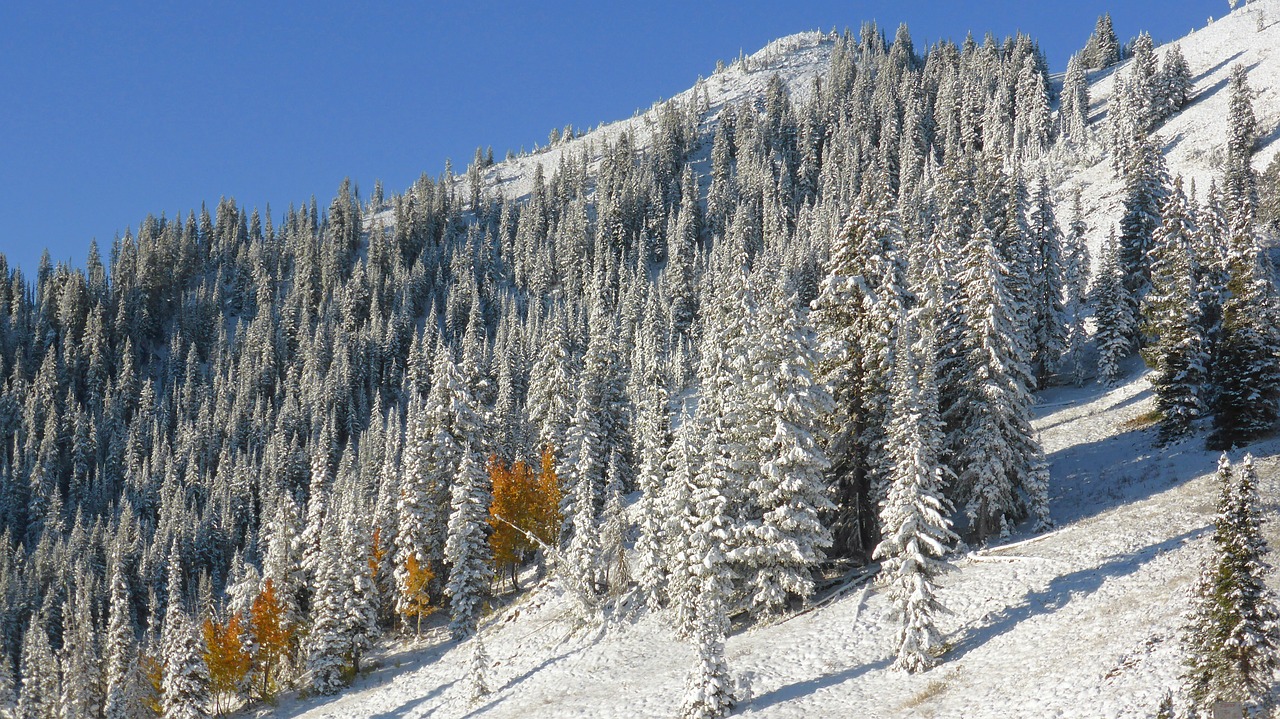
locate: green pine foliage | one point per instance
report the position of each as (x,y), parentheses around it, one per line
(1232,638)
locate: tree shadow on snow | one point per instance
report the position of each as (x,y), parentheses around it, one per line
(1089,478)
(1195,80)
(1217,86)
(1061,591)
(802,689)
(404,709)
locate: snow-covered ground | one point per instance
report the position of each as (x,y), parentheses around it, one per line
(1195,139)
(1082,621)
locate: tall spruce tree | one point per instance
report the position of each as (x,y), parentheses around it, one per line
(1233,635)
(917,528)
(467,549)
(1172,314)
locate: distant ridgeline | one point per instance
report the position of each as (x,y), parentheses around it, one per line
(761,339)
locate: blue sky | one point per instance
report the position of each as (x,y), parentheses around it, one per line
(111,110)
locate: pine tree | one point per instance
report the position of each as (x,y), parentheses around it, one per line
(478,671)
(584,474)
(781,549)
(915,517)
(186,678)
(1145,189)
(39,696)
(414,511)
(1048,323)
(1113,314)
(998,458)
(1073,108)
(1173,320)
(1245,363)
(124,674)
(1076,266)
(708,530)
(467,546)
(1233,636)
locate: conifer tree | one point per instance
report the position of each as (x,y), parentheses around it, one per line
(708,529)
(781,549)
(478,671)
(1048,322)
(917,529)
(39,696)
(1145,189)
(998,458)
(1173,317)
(1076,270)
(1233,635)
(467,546)
(1246,367)
(186,678)
(124,698)
(1113,314)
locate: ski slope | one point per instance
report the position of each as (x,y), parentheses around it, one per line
(1082,621)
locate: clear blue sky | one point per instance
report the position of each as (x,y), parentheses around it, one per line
(110,110)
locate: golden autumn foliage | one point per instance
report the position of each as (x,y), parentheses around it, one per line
(226,656)
(271,636)
(377,552)
(416,591)
(523,501)
(153,686)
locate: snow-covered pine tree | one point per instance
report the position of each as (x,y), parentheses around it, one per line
(1173,83)
(124,698)
(1145,189)
(1233,634)
(478,671)
(186,678)
(8,689)
(1112,313)
(1047,328)
(1073,108)
(1246,368)
(685,462)
(917,529)
(1000,465)
(326,643)
(708,529)
(849,313)
(39,697)
(1173,321)
(81,657)
(185,689)
(414,509)
(580,533)
(466,548)
(653,429)
(780,550)
(1076,269)
(1103,48)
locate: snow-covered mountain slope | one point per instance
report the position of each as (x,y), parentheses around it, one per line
(797,59)
(1083,621)
(1195,139)
(1080,622)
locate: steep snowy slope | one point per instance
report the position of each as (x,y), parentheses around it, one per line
(1195,139)
(1080,622)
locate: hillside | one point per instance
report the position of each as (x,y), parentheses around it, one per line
(1081,621)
